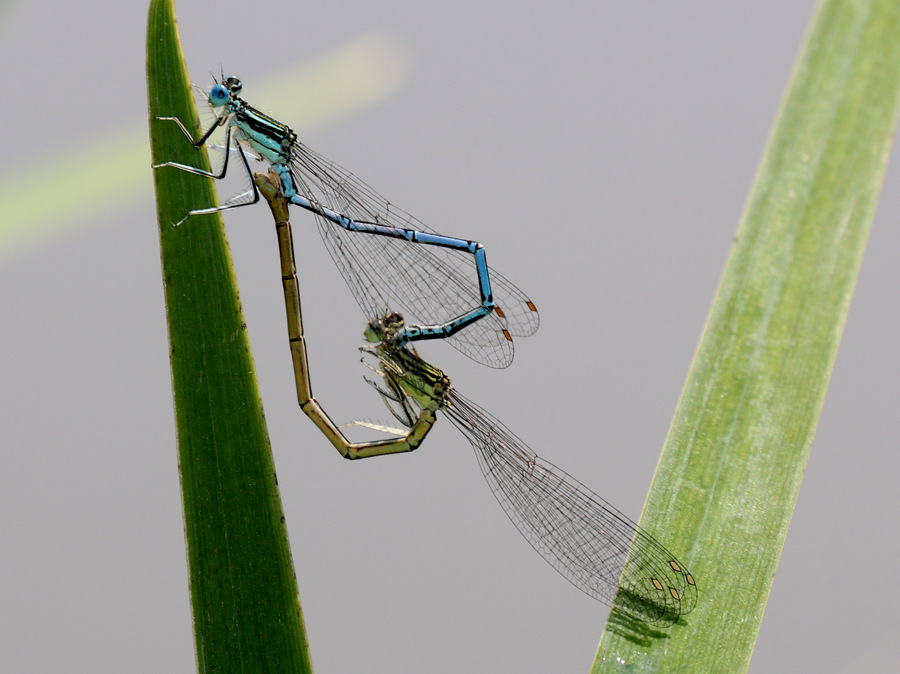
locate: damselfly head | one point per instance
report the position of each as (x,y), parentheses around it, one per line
(383,329)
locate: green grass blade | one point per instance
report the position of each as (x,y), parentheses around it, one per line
(244,596)
(729,476)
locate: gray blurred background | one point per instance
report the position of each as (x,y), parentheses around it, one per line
(603,152)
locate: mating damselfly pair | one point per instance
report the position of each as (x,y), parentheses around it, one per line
(393,265)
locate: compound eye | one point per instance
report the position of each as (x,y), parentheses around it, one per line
(372,333)
(219,95)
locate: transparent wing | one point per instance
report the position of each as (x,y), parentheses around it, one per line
(428,284)
(582,536)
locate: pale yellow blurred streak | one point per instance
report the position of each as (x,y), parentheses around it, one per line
(62,192)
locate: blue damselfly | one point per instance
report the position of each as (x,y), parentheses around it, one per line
(428,280)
